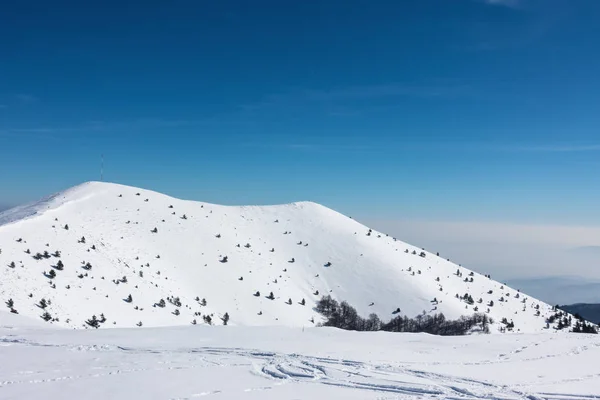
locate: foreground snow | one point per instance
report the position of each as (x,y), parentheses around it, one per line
(290,363)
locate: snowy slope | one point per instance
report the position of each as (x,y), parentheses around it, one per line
(292,363)
(373,272)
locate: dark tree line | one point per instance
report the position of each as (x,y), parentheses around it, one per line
(565,321)
(344,316)
(581,326)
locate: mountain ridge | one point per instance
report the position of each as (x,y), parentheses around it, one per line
(152,246)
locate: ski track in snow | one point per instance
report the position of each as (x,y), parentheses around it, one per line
(64,362)
(296,368)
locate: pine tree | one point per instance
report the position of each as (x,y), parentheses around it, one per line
(10,303)
(46,316)
(203,302)
(225,318)
(93,322)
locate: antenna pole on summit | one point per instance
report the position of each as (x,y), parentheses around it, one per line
(101,167)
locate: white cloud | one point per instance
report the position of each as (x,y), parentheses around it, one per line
(26,98)
(507,251)
(507,3)
(558,264)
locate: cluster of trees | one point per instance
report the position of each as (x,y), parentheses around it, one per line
(509,325)
(175,301)
(39,256)
(566,321)
(95,322)
(344,316)
(581,326)
(10,304)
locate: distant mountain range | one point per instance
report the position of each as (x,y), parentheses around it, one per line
(590,312)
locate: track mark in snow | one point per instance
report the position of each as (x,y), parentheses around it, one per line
(565,396)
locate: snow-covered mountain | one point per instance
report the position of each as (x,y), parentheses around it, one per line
(105,242)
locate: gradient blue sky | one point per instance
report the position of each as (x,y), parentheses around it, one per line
(427,109)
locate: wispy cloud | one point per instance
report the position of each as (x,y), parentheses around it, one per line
(348,101)
(385,90)
(91,126)
(506,3)
(27,98)
(373,145)
(314,147)
(558,148)
(8,133)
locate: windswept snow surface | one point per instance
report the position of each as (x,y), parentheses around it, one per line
(291,363)
(152,247)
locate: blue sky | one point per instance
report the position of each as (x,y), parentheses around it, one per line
(427,109)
